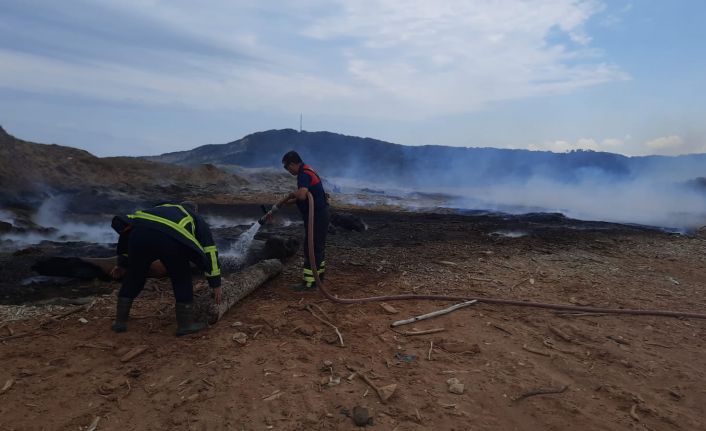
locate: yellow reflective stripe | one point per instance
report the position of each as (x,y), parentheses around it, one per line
(187,217)
(308,271)
(171,224)
(212,251)
(309,279)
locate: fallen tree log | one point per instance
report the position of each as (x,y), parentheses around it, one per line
(234,288)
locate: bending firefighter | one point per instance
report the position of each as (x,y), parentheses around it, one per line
(307,181)
(175,235)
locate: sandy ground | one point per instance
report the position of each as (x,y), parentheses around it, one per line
(609,372)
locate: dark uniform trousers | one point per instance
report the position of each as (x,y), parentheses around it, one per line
(321,221)
(147,245)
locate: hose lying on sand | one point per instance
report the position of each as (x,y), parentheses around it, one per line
(500,301)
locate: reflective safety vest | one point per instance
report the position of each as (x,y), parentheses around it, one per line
(187,228)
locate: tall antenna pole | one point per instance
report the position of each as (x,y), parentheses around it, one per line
(300,123)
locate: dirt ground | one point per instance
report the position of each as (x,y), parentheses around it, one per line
(610,372)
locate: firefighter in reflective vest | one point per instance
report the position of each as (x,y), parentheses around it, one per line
(175,235)
(308,181)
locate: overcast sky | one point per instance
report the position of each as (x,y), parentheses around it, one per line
(136,77)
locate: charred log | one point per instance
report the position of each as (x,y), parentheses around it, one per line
(347,222)
(234,288)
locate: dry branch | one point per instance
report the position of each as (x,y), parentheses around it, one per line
(338,333)
(433,314)
(424,332)
(535,351)
(384,393)
(541,391)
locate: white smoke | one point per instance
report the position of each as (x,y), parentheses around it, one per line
(218,222)
(52,214)
(658,203)
(7,216)
(638,202)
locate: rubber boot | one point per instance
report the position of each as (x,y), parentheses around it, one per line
(122,313)
(185,319)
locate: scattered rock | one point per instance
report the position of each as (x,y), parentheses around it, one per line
(361,417)
(333,381)
(388,308)
(307,330)
(240,338)
(386,392)
(330,338)
(455,386)
(83,320)
(405,358)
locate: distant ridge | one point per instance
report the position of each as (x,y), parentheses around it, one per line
(432,165)
(30,171)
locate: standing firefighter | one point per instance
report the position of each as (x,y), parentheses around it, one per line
(175,235)
(308,182)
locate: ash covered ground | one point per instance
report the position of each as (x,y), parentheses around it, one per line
(618,372)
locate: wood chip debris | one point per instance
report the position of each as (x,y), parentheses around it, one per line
(535,351)
(633,412)
(6,387)
(94,425)
(133,353)
(274,395)
(388,308)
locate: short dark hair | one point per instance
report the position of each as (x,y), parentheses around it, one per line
(291,157)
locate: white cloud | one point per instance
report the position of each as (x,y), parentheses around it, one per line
(665,143)
(610,145)
(378,58)
(673,145)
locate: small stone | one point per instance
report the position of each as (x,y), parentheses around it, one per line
(361,416)
(307,330)
(453,381)
(330,338)
(234,324)
(387,391)
(83,320)
(456,388)
(240,338)
(388,308)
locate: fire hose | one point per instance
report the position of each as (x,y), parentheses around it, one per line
(500,301)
